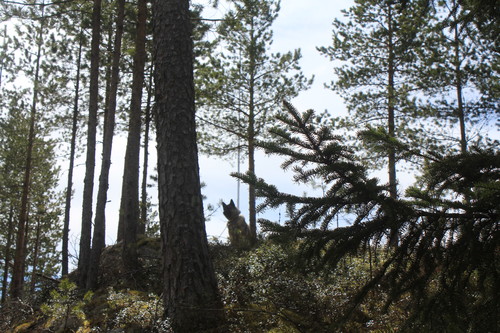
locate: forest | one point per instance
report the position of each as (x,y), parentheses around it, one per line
(393,223)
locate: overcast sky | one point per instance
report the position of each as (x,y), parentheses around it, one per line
(300,24)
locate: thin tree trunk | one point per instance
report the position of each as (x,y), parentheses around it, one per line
(20,253)
(36,250)
(98,240)
(141,230)
(251,169)
(190,288)
(4,47)
(393,192)
(458,87)
(8,245)
(88,189)
(69,188)
(390,108)
(129,205)
(252,212)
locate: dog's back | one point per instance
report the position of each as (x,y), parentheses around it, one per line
(239,233)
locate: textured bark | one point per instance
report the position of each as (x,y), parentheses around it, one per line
(190,288)
(88,188)
(98,239)
(129,205)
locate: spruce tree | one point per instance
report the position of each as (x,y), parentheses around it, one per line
(446,259)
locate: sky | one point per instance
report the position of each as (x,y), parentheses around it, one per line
(300,24)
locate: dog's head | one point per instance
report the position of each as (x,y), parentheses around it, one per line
(230,211)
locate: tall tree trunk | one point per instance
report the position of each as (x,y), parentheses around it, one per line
(252,211)
(190,288)
(98,240)
(20,253)
(69,187)
(8,245)
(141,229)
(390,106)
(88,189)
(458,86)
(129,205)
(251,169)
(393,192)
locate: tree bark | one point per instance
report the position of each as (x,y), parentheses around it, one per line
(98,240)
(391,122)
(10,231)
(141,229)
(390,107)
(252,211)
(190,288)
(129,205)
(88,189)
(36,250)
(458,87)
(17,281)
(69,187)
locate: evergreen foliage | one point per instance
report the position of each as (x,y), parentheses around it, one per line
(43,229)
(450,213)
(242,86)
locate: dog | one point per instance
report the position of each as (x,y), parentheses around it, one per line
(239,232)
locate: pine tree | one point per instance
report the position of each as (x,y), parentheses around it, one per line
(190,287)
(86,230)
(244,84)
(129,204)
(20,254)
(457,77)
(378,47)
(42,229)
(98,239)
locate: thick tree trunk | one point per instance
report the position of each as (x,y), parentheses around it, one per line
(98,240)
(129,205)
(88,189)
(69,187)
(17,281)
(190,288)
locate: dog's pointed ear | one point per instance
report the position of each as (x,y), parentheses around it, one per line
(223,205)
(232,203)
